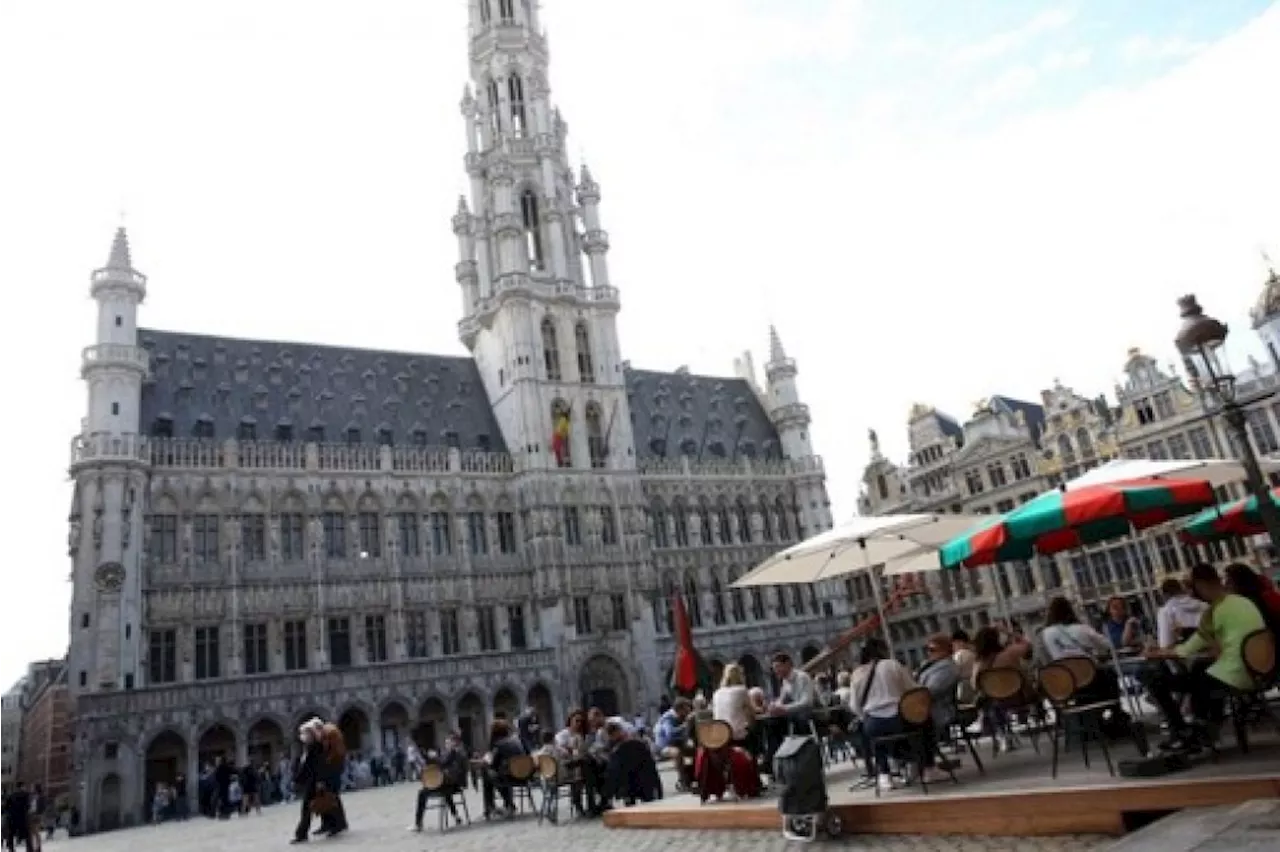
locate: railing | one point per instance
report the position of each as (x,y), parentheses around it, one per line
(102,277)
(790,411)
(723,468)
(115,354)
(198,454)
(176,696)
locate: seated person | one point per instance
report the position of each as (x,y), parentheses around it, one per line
(577,764)
(1124,630)
(1179,616)
(731,704)
(878,685)
(1064,637)
(672,738)
(630,772)
(503,745)
(1230,619)
(454,766)
(941,676)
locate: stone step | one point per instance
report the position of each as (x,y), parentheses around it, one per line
(1249,827)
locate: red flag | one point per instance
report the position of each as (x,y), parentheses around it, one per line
(684,674)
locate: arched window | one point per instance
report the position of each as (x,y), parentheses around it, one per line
(485,13)
(882,486)
(532,229)
(780,594)
(658,521)
(725,525)
(507,11)
(737,605)
(784,527)
(692,604)
(744,521)
(717,602)
(515,95)
(667,602)
(704,524)
(1064,447)
(797,599)
(767,517)
(1084,441)
(596,448)
(495,107)
(758,611)
(561,434)
(582,342)
(680,516)
(550,350)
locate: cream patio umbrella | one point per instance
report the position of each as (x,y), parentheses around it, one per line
(1216,472)
(856,546)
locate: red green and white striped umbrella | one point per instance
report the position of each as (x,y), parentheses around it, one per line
(1236,519)
(1064,519)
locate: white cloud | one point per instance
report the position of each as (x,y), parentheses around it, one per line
(1010,41)
(1067,60)
(1144,48)
(1012,85)
(290,169)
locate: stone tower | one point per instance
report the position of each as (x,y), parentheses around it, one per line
(539,314)
(791,418)
(109,468)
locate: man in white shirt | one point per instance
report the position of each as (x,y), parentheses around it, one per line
(1180,614)
(795,693)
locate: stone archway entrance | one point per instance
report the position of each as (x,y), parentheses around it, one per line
(354,724)
(808,653)
(166,759)
(471,721)
(266,743)
(506,705)
(603,684)
(394,721)
(540,700)
(110,803)
(433,718)
(217,743)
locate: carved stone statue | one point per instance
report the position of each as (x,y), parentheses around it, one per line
(274,533)
(97,529)
(875,442)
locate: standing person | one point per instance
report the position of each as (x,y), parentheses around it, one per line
(17,813)
(307,780)
(335,760)
(530,728)
(222,776)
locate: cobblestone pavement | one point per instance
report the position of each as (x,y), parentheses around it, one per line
(380,819)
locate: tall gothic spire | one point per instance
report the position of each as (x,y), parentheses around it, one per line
(119,258)
(776,353)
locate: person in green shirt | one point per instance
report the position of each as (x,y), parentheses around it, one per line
(1215,657)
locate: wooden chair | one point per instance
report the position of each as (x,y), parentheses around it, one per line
(915,708)
(521,771)
(1009,689)
(433,782)
(554,782)
(1058,683)
(713,736)
(1259,654)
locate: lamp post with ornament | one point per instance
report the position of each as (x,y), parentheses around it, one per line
(1200,341)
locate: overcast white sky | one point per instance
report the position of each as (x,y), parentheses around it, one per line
(931,204)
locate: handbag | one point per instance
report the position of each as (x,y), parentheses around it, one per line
(323,802)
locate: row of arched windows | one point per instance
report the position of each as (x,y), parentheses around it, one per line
(732,606)
(716,524)
(551,352)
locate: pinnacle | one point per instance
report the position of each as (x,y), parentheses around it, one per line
(462,204)
(119,258)
(776,352)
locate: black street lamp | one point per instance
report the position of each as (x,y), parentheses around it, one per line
(1200,341)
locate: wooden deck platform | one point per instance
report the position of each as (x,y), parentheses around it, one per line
(1016,797)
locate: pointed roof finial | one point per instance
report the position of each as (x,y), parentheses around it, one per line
(776,352)
(120,258)
(462,204)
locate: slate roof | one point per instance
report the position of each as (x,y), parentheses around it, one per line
(674,414)
(1032,412)
(223,387)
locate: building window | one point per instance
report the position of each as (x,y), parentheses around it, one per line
(477,535)
(597,447)
(506,11)
(780,597)
(608,526)
(484,11)
(550,350)
(582,343)
(417,636)
(758,611)
(680,523)
(204,538)
(658,524)
(692,602)
(737,603)
(515,628)
(295,645)
(619,621)
(724,525)
(162,656)
(995,472)
(582,615)
(572,526)
(292,542)
(208,653)
(370,535)
(506,524)
(533,234)
(253,537)
(519,119)
(1201,445)
(450,642)
(247,432)
(441,534)
(562,433)
(784,524)
(339,641)
(766,520)
(315,434)
(1021,467)
(164,539)
(410,534)
(1163,405)
(1262,432)
(375,638)
(744,522)
(486,629)
(973,481)
(335,535)
(1156,450)
(256,657)
(717,602)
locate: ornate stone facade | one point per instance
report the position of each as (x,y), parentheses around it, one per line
(261,532)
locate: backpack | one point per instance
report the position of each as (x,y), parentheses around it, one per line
(335,747)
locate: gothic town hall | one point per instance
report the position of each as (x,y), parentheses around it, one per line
(408,543)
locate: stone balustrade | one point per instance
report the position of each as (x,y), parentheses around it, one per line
(202,454)
(683,467)
(114,355)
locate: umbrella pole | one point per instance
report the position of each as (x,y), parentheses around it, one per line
(1147,574)
(875,590)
